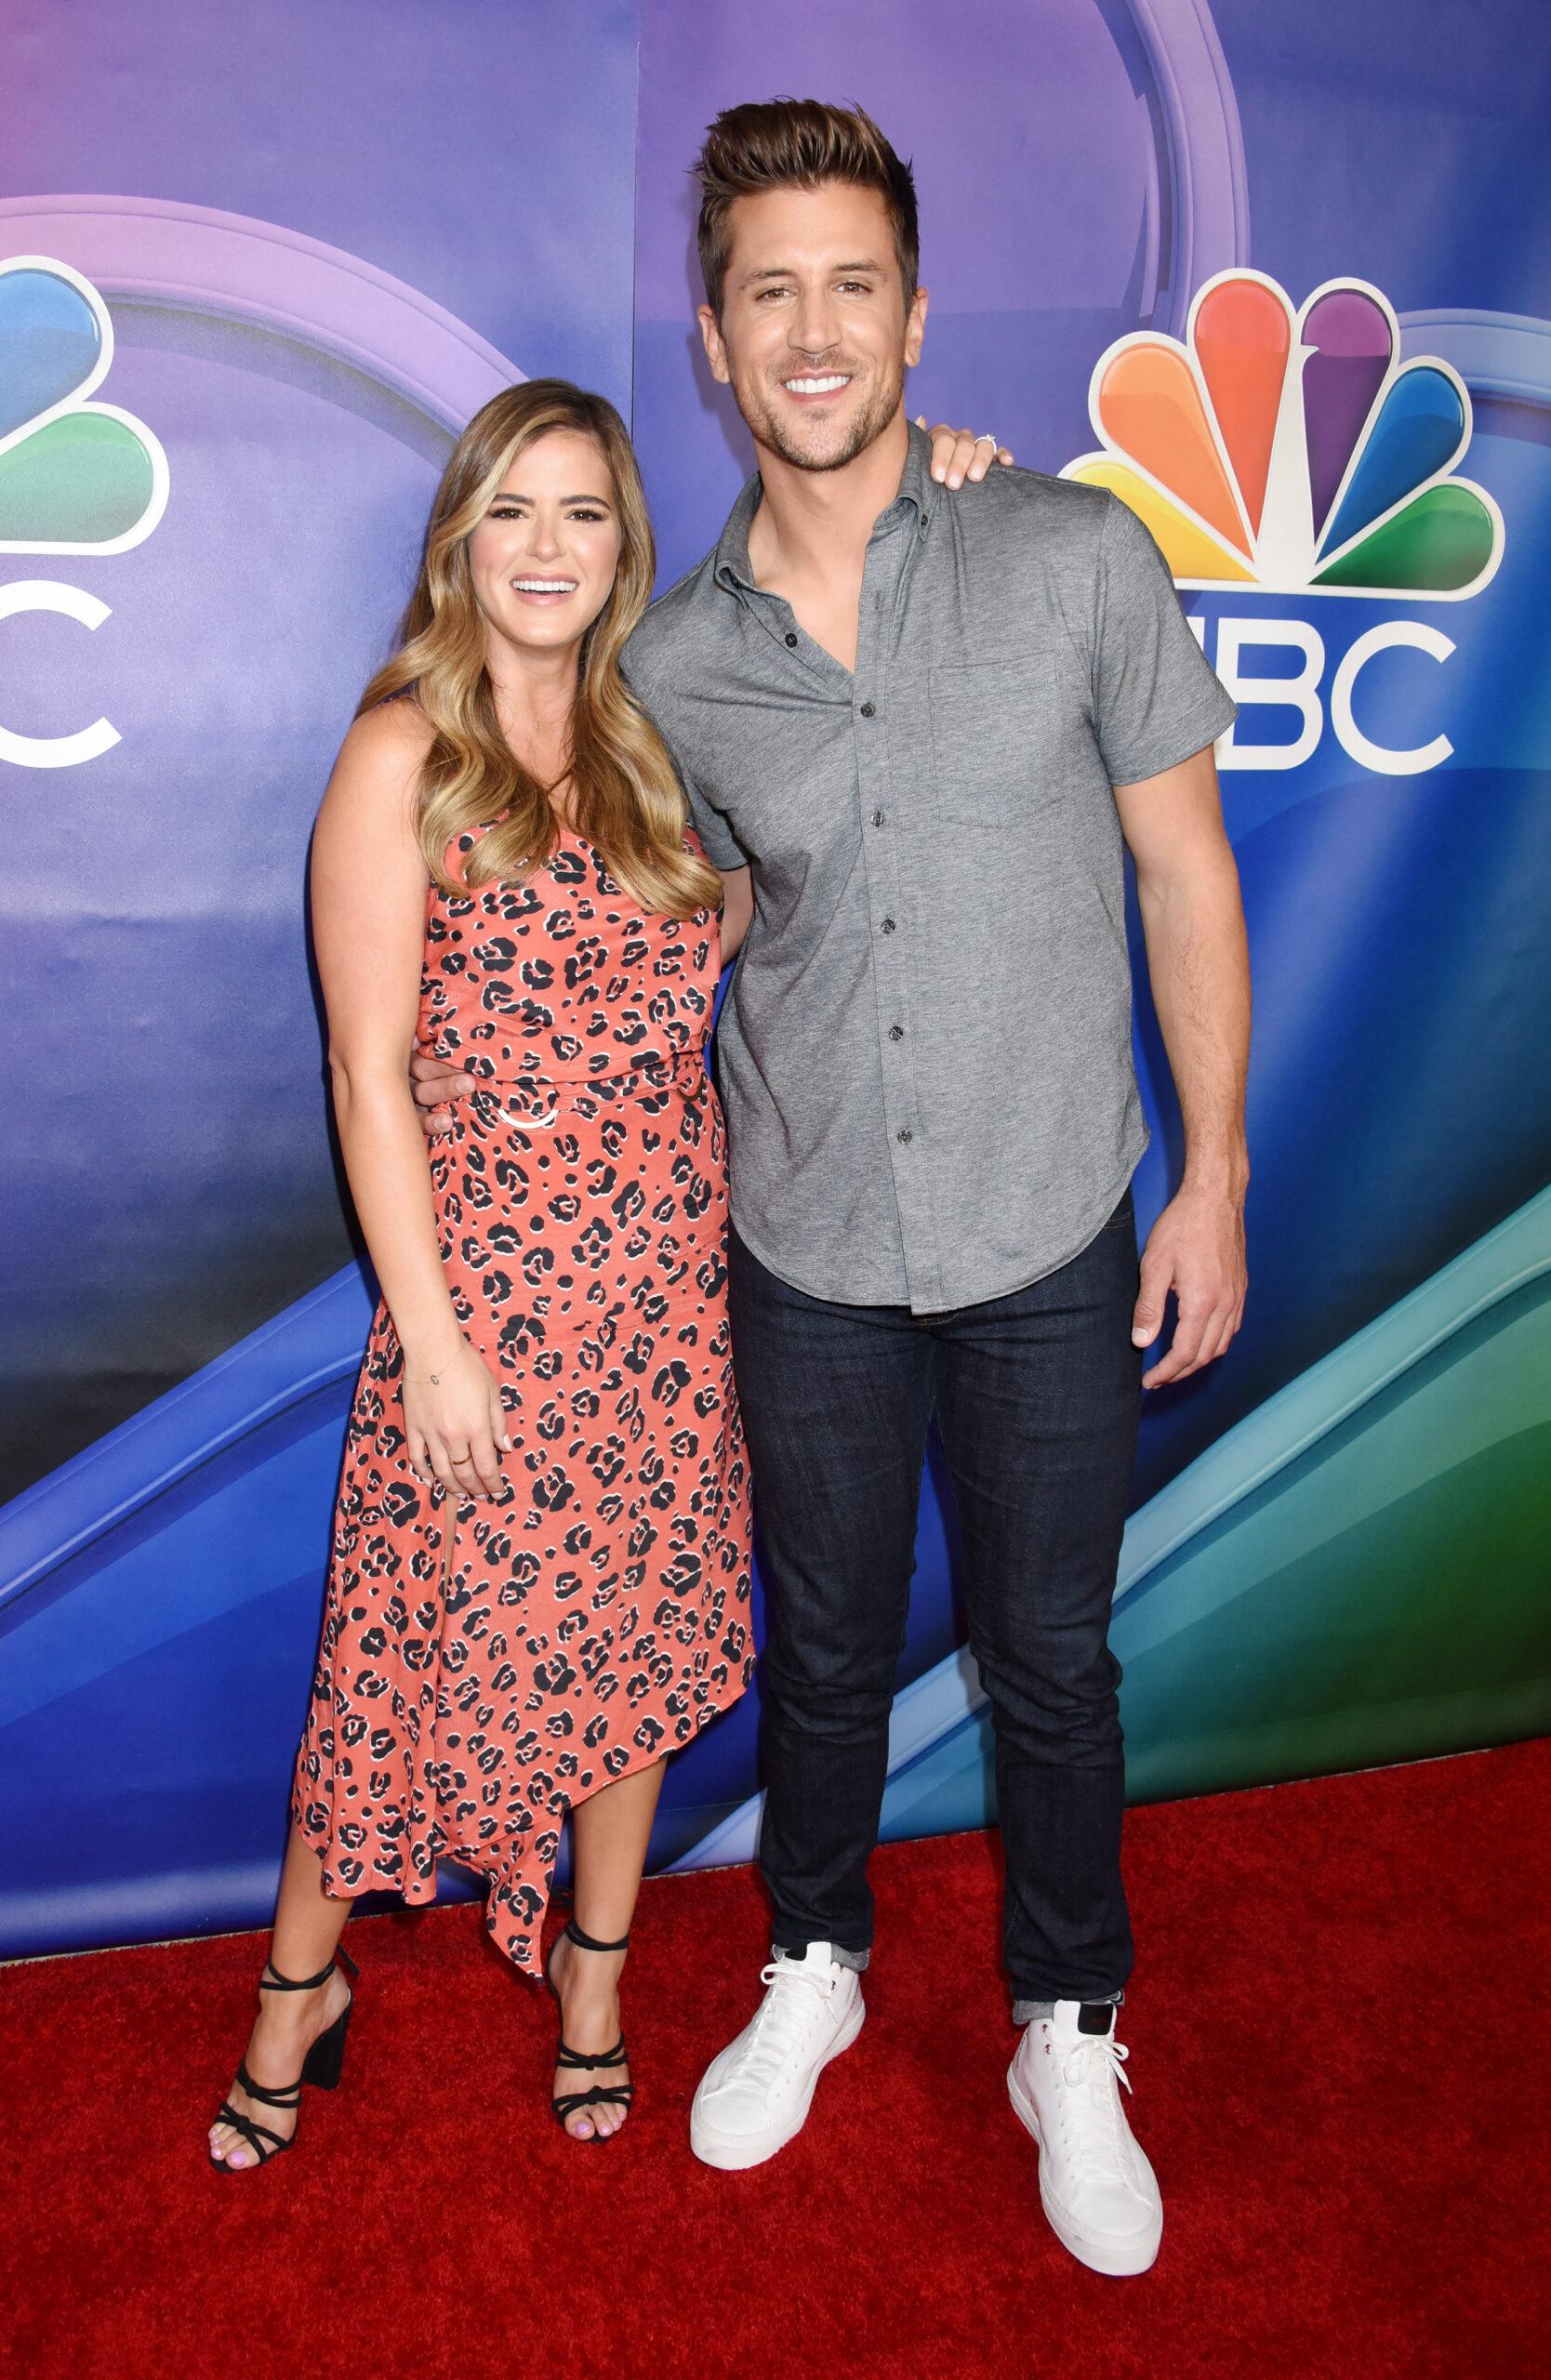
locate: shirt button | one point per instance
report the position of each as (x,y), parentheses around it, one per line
(902,1136)
(867,710)
(887,926)
(790,639)
(897,1033)
(877,817)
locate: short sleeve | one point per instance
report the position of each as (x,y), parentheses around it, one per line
(721,845)
(1157,698)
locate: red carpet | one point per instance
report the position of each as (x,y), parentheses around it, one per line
(1334,2029)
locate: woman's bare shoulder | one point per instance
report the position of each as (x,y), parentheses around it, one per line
(371,796)
(391,739)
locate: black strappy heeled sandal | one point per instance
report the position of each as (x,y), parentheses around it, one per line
(619,2094)
(324,2066)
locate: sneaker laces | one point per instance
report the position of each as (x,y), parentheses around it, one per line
(782,2020)
(1091,2106)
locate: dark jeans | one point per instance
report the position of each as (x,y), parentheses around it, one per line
(1037,1397)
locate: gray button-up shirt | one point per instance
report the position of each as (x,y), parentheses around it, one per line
(926,1053)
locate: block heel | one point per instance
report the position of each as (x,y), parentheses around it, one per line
(326,2059)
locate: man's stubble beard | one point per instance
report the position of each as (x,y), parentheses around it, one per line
(869,423)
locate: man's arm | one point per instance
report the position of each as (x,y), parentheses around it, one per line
(1197,962)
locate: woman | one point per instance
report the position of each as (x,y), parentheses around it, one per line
(539,1582)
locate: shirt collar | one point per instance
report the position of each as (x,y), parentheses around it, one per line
(918,489)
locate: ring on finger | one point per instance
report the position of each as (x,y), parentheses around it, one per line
(988,438)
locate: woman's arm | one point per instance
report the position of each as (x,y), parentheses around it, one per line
(958,455)
(738,909)
(368,883)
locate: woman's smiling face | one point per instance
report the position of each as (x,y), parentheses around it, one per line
(544,556)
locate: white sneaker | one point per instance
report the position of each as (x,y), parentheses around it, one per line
(756,2095)
(1098,2191)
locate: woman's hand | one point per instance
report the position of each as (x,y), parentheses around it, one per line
(454,1422)
(957,456)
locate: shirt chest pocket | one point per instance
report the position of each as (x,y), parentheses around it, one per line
(1006,736)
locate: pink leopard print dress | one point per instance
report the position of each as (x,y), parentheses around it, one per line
(486,1666)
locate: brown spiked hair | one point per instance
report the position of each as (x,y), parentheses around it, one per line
(798,144)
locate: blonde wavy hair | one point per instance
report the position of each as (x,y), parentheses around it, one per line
(627,796)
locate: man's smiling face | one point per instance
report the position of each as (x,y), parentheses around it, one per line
(816,335)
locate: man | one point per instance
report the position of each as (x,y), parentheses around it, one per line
(926,725)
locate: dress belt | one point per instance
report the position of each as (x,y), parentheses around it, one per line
(534,1100)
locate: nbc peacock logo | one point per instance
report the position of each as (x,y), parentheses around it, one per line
(1293,451)
(76,476)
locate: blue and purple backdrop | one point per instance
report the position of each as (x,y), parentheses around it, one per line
(256,269)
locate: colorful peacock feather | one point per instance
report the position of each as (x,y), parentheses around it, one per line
(75,477)
(1285,451)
